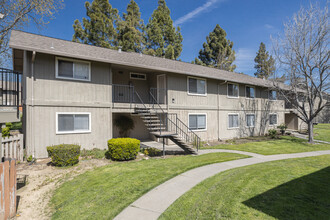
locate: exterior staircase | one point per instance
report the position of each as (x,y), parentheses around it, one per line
(162,126)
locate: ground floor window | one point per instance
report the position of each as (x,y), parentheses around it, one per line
(73,123)
(197,121)
(273,119)
(250,120)
(233,121)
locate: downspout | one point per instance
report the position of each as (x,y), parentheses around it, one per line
(218,105)
(32,102)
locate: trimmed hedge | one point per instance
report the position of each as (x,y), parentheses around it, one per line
(123,148)
(64,154)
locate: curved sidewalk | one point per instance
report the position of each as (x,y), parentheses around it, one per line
(152,204)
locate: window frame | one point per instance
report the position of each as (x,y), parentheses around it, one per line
(238,124)
(233,97)
(254,92)
(73,61)
(74,132)
(205,129)
(269,95)
(141,74)
(197,78)
(249,114)
(276,119)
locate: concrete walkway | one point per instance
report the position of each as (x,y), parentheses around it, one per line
(304,136)
(155,202)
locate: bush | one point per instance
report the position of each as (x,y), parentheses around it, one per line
(282,128)
(124,124)
(272,133)
(123,148)
(29,159)
(9,125)
(5,132)
(64,154)
(152,152)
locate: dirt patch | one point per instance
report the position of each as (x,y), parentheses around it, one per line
(42,180)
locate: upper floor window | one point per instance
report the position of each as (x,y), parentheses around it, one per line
(197,121)
(250,92)
(273,119)
(232,90)
(73,123)
(73,69)
(233,121)
(139,76)
(272,95)
(196,86)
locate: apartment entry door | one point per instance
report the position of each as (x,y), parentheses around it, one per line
(161,89)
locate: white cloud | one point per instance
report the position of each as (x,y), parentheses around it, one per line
(196,12)
(268,26)
(245,60)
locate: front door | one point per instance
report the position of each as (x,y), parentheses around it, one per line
(161,89)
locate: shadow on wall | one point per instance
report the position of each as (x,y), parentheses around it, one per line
(303,198)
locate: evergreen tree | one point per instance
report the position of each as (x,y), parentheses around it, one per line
(217,51)
(265,64)
(99,28)
(163,40)
(131,29)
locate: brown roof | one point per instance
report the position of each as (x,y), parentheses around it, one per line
(32,42)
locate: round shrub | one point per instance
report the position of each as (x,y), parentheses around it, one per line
(123,148)
(64,154)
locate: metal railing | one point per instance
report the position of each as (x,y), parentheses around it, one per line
(10,88)
(123,93)
(159,94)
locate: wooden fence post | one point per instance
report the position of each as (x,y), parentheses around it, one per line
(12,189)
(6,188)
(2,194)
(1,150)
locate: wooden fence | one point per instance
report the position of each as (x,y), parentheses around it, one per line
(7,189)
(12,147)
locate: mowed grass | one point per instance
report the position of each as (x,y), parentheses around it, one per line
(322,132)
(288,189)
(104,192)
(282,145)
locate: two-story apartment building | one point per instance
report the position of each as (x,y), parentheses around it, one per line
(73,92)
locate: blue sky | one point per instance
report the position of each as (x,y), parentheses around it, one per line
(247,22)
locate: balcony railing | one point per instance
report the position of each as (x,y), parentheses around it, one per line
(10,88)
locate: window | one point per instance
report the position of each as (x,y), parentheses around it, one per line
(272,95)
(196,86)
(72,69)
(73,123)
(233,121)
(250,120)
(139,76)
(250,92)
(232,90)
(197,121)
(273,119)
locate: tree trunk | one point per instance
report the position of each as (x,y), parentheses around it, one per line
(310,132)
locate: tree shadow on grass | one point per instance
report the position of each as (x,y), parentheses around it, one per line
(307,197)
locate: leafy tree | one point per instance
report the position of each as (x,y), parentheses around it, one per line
(217,51)
(131,29)
(99,29)
(17,14)
(265,64)
(163,40)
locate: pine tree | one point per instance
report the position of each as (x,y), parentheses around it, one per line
(217,51)
(163,40)
(131,29)
(99,28)
(265,64)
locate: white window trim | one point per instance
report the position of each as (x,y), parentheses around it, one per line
(276,119)
(233,97)
(72,60)
(74,132)
(254,120)
(269,96)
(205,121)
(191,77)
(232,128)
(143,74)
(254,92)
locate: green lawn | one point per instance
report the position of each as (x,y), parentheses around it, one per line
(283,145)
(104,192)
(288,189)
(322,132)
